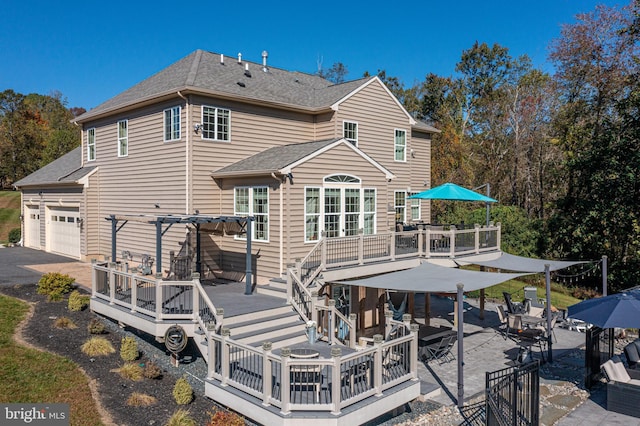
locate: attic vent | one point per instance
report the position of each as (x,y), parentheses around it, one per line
(246,70)
(241,84)
(239,58)
(221,59)
(265,54)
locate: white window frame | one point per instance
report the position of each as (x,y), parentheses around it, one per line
(175,118)
(397,206)
(313,215)
(123,141)
(91,144)
(216,125)
(251,211)
(415,206)
(396,145)
(353,140)
(372,213)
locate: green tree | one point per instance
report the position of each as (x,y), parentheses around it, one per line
(598,128)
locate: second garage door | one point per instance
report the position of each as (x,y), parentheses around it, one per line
(64,231)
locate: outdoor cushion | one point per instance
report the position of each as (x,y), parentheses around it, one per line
(620,373)
(637,344)
(631,352)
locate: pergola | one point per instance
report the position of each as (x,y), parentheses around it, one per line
(162,223)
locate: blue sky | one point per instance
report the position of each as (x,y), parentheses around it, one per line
(91,51)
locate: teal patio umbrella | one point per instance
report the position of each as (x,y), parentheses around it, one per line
(451,191)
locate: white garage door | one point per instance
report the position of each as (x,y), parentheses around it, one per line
(64,231)
(32,226)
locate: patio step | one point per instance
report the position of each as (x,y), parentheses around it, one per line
(273,289)
(267,322)
(256,316)
(261,334)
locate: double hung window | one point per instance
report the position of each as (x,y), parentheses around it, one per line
(254,201)
(215,123)
(350,131)
(91,144)
(123,138)
(400,145)
(172,124)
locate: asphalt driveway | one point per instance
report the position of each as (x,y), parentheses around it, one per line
(13,261)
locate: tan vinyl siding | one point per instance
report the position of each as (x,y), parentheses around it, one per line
(93,218)
(378,116)
(153,173)
(421,166)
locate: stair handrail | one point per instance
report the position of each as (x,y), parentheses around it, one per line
(216,314)
(319,247)
(334,330)
(300,297)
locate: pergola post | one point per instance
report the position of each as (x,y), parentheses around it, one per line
(114,233)
(248,283)
(547,279)
(158,247)
(604,275)
(460,319)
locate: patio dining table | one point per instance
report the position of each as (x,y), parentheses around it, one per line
(532,321)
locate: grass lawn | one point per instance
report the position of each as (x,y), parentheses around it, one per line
(560,296)
(29,375)
(9,213)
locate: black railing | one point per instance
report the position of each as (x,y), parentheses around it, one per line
(513,396)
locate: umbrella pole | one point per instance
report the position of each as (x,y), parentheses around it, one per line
(459,317)
(604,275)
(547,279)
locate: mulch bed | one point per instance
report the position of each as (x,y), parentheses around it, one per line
(112,388)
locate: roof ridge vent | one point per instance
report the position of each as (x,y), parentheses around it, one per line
(239,58)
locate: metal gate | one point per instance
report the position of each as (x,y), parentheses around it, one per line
(599,348)
(513,396)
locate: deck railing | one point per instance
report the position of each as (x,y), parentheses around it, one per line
(426,241)
(180,300)
(317,384)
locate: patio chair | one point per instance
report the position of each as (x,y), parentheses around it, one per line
(543,328)
(514,324)
(513,307)
(503,327)
(623,388)
(440,351)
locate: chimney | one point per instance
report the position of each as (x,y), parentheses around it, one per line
(265,54)
(221,59)
(239,58)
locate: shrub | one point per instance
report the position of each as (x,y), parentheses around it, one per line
(138,399)
(152,370)
(54,285)
(224,418)
(129,349)
(77,301)
(97,346)
(14,235)
(130,370)
(95,326)
(182,392)
(181,418)
(64,322)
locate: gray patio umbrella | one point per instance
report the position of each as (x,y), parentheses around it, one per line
(616,310)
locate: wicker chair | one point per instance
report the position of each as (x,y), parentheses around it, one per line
(623,388)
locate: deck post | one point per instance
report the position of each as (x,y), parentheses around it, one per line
(420,240)
(477,238)
(285,379)
(224,362)
(377,364)
(331,303)
(336,397)
(289,283)
(266,373)
(414,350)
(159,301)
(452,241)
(94,278)
(112,283)
(352,330)
(196,297)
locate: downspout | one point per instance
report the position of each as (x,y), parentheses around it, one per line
(280,224)
(187,155)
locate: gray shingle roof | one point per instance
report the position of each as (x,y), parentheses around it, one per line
(203,71)
(66,169)
(274,159)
